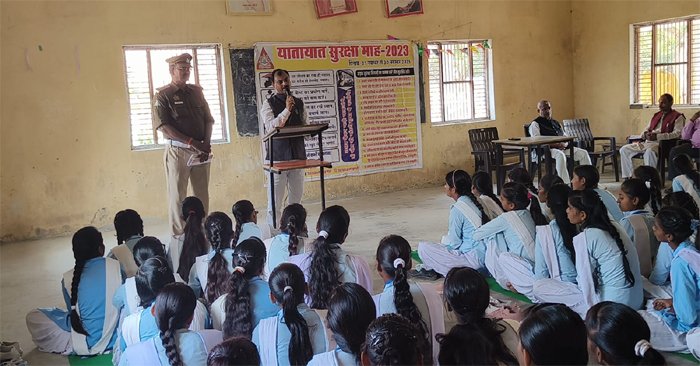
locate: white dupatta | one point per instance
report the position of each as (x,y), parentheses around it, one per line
(112,283)
(688,186)
(549,250)
(642,243)
(584,274)
(126,259)
(132,298)
(435,310)
(131,332)
(268,341)
(474,217)
(691,256)
(521,230)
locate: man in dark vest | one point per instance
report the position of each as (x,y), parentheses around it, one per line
(545,125)
(666,124)
(280,110)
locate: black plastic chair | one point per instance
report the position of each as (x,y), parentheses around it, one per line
(581,130)
(487,157)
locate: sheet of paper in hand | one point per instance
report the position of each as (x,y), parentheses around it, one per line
(195,160)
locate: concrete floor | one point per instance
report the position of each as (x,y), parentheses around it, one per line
(30,272)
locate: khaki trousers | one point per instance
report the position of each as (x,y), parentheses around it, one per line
(177,174)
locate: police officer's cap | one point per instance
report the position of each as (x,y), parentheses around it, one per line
(185,58)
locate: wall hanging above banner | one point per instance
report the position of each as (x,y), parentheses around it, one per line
(368,93)
(399,8)
(329,8)
(248,7)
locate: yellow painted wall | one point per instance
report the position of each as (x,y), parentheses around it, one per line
(66,158)
(601,39)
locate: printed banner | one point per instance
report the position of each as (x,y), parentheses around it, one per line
(366,91)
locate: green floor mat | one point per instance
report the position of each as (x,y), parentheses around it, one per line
(686,356)
(100,360)
(415,257)
(494,286)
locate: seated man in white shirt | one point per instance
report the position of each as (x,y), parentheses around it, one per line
(544,125)
(666,124)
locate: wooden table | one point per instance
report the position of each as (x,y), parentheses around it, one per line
(539,144)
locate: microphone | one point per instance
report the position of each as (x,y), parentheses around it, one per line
(289,92)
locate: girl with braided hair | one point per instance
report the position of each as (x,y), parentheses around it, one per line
(607,264)
(328,265)
(416,302)
(510,240)
(126,298)
(89,325)
(392,340)
(350,311)
(176,346)
(210,272)
(291,240)
(238,311)
(246,222)
(652,179)
(184,249)
(129,228)
(536,206)
(671,318)
(587,177)
(491,341)
(234,351)
(482,188)
(457,248)
(296,333)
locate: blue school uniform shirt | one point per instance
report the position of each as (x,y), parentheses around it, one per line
(279,250)
(249,230)
(317,334)
(460,230)
(260,301)
(91,303)
(147,327)
(506,237)
(661,273)
(686,294)
(608,270)
(190,346)
(566,264)
(648,220)
(610,203)
(194,282)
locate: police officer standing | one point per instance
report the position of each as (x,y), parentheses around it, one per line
(184,118)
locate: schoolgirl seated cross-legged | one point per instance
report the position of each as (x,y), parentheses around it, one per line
(89,325)
(291,239)
(510,239)
(587,177)
(670,319)
(210,272)
(173,310)
(637,221)
(418,302)
(126,299)
(457,248)
(328,265)
(607,265)
(482,188)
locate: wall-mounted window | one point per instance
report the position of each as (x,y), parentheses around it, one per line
(146,71)
(460,81)
(666,59)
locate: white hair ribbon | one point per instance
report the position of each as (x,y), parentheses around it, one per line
(399,261)
(287,288)
(239,269)
(641,347)
(323,233)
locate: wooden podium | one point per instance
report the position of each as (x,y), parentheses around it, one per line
(283,166)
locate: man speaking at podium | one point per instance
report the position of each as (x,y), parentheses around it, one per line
(282,110)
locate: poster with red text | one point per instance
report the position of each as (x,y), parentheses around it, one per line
(366,91)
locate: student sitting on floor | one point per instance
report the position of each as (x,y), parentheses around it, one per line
(587,177)
(419,303)
(239,311)
(129,228)
(290,241)
(126,298)
(689,179)
(467,294)
(552,334)
(482,188)
(392,340)
(173,310)
(350,312)
(246,222)
(620,336)
(89,327)
(670,319)
(637,221)
(236,351)
(543,187)
(650,176)
(522,176)
(210,272)
(457,248)
(607,265)
(510,239)
(659,283)
(296,333)
(328,265)
(184,249)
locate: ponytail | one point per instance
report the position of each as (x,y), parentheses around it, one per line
(194,243)
(242,211)
(287,287)
(293,222)
(249,260)
(219,230)
(557,201)
(324,276)
(174,309)
(482,182)
(650,175)
(87,244)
